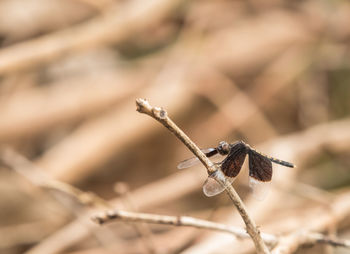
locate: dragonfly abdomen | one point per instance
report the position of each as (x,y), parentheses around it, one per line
(281,162)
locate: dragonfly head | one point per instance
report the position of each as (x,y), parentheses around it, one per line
(223,148)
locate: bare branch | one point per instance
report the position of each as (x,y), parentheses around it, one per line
(296,239)
(142,229)
(177,221)
(161,115)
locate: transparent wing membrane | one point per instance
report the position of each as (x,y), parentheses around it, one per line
(188,163)
(211,187)
(194,160)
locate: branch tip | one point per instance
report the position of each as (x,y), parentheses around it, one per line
(143,106)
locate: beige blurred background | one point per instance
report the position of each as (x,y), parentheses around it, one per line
(273,73)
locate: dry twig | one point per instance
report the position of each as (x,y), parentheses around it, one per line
(161,115)
(142,229)
(177,221)
(298,238)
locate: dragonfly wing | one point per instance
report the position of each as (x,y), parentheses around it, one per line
(260,167)
(232,164)
(260,174)
(188,163)
(211,187)
(194,161)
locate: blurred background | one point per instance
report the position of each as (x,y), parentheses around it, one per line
(273,73)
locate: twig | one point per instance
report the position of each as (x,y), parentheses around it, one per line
(142,229)
(161,115)
(177,221)
(299,238)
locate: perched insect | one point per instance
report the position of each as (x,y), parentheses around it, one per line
(260,167)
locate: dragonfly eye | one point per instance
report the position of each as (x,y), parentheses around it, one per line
(223,148)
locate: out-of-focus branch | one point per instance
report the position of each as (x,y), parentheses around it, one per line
(64,101)
(30,171)
(319,238)
(340,208)
(99,5)
(114,25)
(105,136)
(290,243)
(275,79)
(161,115)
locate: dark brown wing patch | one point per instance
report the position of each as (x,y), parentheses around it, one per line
(232,164)
(260,167)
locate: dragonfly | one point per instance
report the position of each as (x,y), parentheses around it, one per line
(260,167)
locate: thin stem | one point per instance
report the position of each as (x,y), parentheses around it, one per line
(177,221)
(142,229)
(161,116)
(296,239)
